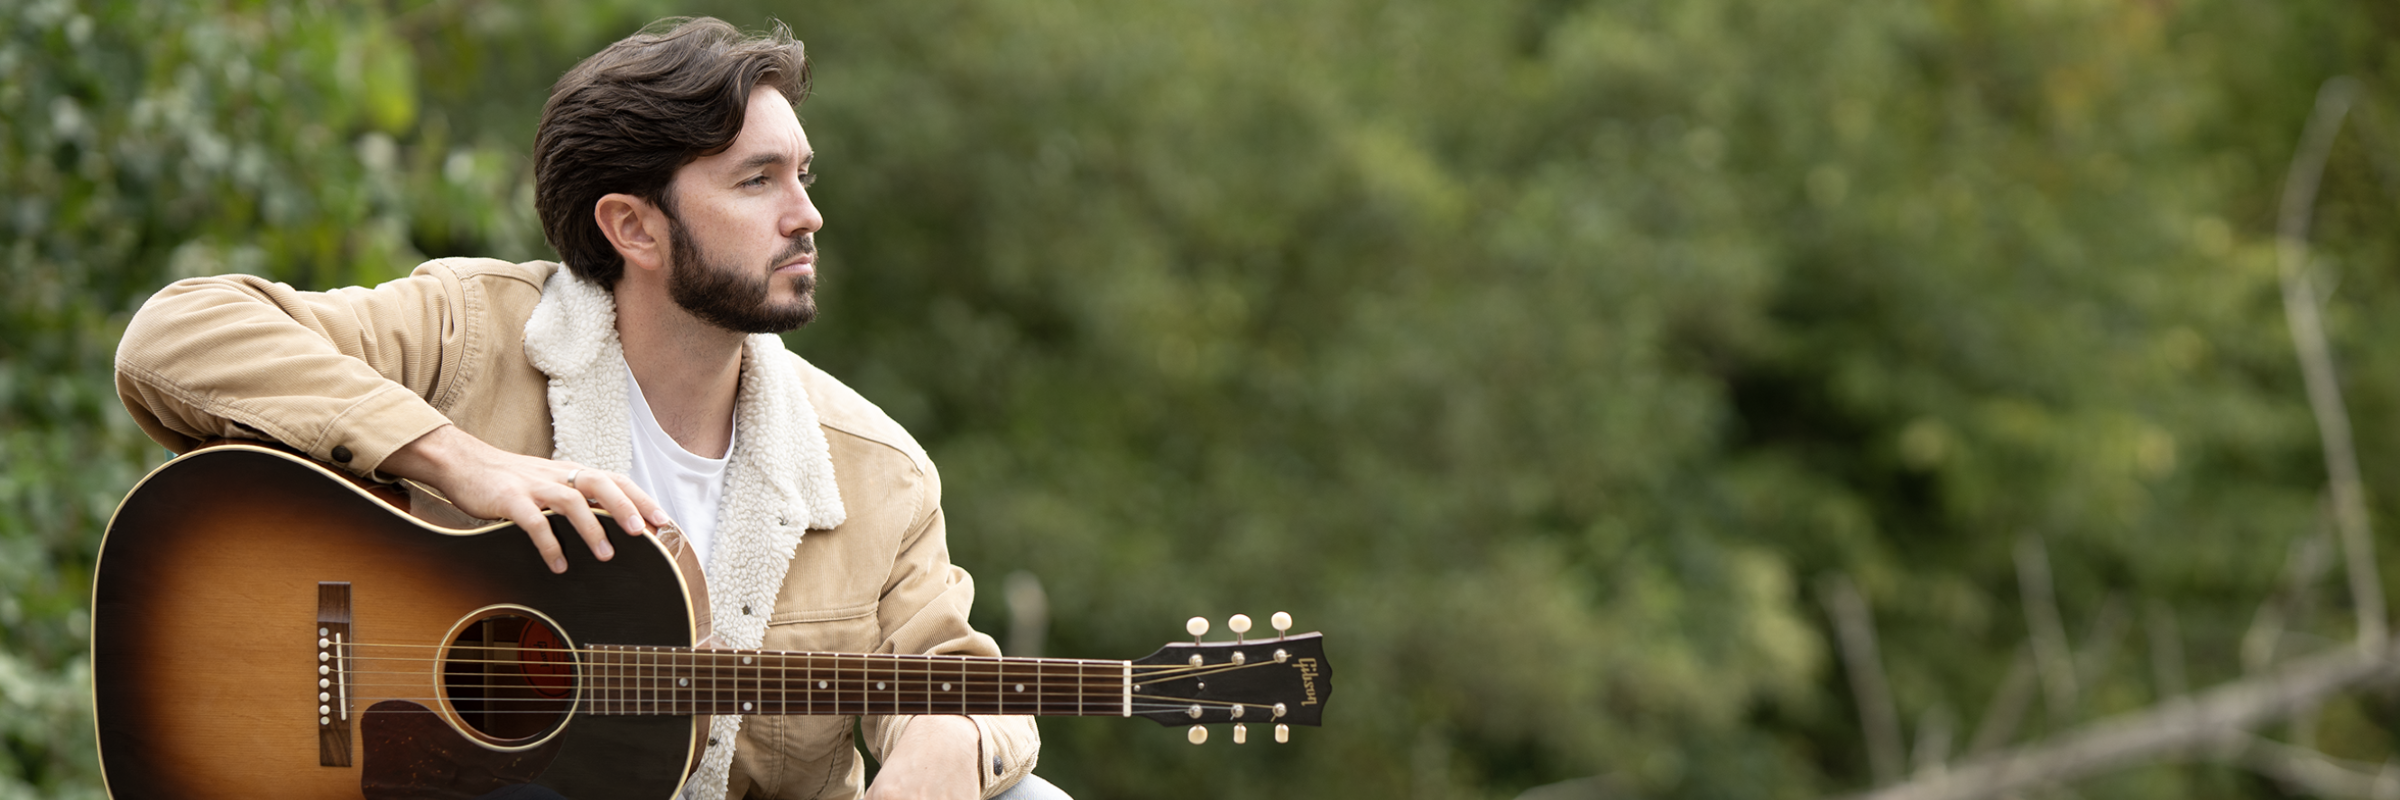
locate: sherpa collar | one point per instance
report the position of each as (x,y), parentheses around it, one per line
(780,482)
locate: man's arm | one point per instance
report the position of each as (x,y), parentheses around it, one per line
(344,377)
(925,607)
(934,758)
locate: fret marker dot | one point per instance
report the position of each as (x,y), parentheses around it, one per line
(745,706)
(945,687)
(683,681)
(1020,687)
(879,686)
(820,684)
(745,661)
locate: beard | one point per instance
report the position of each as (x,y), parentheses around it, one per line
(732,297)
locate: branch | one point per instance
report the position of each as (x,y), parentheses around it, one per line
(1855,626)
(2176,728)
(2300,310)
(2007,710)
(2314,772)
(2052,658)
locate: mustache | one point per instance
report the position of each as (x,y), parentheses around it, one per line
(804,245)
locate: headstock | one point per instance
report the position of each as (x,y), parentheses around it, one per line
(1282,680)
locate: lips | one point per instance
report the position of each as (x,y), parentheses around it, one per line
(800,258)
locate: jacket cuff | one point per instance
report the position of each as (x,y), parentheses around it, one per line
(398,416)
(1008,749)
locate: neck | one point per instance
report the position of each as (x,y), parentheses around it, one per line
(689,370)
(679,681)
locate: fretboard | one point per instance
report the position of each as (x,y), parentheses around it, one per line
(681,681)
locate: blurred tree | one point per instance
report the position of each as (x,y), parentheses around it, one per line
(1542,352)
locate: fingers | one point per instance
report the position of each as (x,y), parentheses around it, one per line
(570,502)
(528,515)
(644,506)
(619,497)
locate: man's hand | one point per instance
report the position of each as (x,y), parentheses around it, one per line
(492,483)
(935,758)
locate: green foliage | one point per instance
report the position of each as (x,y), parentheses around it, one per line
(1543,353)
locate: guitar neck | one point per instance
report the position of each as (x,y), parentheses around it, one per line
(684,681)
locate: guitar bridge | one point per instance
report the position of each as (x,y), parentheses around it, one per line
(333,673)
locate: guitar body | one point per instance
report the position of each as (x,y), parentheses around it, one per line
(218,573)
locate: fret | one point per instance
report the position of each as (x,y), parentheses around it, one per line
(746,675)
(646,681)
(783,684)
(723,688)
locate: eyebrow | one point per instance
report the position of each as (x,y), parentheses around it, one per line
(769,159)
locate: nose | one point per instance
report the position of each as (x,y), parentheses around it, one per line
(802,218)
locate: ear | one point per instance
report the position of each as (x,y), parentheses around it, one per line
(637,228)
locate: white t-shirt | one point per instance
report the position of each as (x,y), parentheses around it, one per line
(688,485)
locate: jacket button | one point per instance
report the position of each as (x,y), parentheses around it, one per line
(745,611)
(995,765)
(341,454)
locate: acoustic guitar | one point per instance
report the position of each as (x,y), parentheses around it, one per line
(263,626)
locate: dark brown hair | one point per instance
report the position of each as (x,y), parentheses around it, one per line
(625,119)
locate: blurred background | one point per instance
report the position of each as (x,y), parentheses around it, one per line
(1648,398)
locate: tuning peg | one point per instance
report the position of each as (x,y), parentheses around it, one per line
(1199,734)
(1196,627)
(1239,624)
(1283,734)
(1240,735)
(1283,623)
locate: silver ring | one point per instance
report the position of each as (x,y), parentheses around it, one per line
(571,475)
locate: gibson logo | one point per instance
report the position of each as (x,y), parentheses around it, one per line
(1308,680)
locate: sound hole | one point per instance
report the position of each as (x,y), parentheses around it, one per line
(509,677)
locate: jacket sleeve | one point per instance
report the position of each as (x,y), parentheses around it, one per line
(924,610)
(341,375)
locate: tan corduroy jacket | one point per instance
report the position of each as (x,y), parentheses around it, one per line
(351,375)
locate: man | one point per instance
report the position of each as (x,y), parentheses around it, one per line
(672,175)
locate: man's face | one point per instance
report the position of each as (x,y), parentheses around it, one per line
(743,251)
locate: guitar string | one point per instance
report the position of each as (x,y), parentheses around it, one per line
(715,660)
(612,683)
(651,708)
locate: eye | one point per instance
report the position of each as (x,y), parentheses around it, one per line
(755,181)
(808,179)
